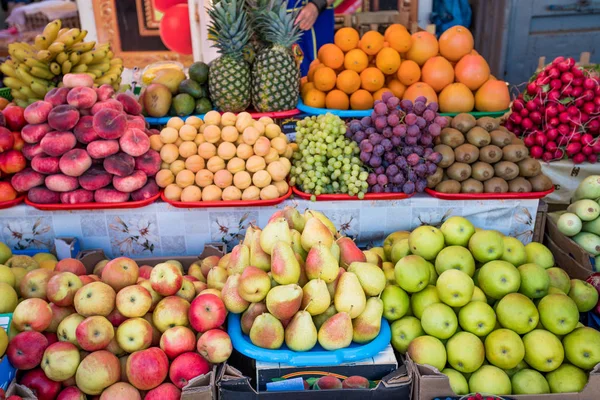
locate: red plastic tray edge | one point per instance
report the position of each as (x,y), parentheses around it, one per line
(12,203)
(226,203)
(488,196)
(92,206)
(344,197)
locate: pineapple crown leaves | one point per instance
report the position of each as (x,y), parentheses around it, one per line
(229,28)
(277,25)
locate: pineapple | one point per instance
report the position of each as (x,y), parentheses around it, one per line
(229,74)
(276,71)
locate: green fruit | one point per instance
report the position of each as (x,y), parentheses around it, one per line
(569,224)
(191,87)
(203,106)
(183,104)
(589,242)
(199,72)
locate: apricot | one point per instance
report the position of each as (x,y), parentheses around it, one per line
(194,121)
(188,132)
(229,134)
(177,166)
(164,178)
(260,127)
(169,153)
(280,144)
(242,179)
(243,121)
(207,150)
(169,135)
(212,133)
(272,131)
(173,192)
(194,163)
(268,193)
(235,165)
(226,150)
(204,178)
(215,164)
(266,120)
(156,142)
(255,163)
(185,178)
(191,193)
(282,187)
(175,122)
(188,149)
(228,119)
(286,163)
(223,178)
(244,151)
(261,179)
(250,135)
(212,118)
(211,193)
(199,139)
(231,193)
(178,142)
(277,171)
(262,146)
(272,156)
(251,193)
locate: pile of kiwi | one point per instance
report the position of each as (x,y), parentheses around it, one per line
(480,156)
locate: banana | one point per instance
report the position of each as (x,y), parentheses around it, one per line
(23,75)
(57,47)
(68,38)
(86,57)
(116,61)
(90,75)
(44,55)
(110,54)
(39,89)
(62,57)
(93,74)
(41,42)
(99,56)
(41,73)
(20,55)
(110,79)
(80,37)
(18,95)
(79,68)
(26,90)
(66,67)
(55,68)
(13,83)
(21,103)
(83,47)
(104,67)
(8,70)
(61,31)
(32,62)
(51,30)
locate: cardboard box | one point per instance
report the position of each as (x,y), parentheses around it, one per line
(429,383)
(202,387)
(66,247)
(19,390)
(539,229)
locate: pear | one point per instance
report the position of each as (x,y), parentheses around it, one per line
(216,278)
(284,301)
(321,318)
(336,332)
(316,298)
(301,333)
(320,263)
(249,236)
(231,297)
(273,282)
(275,231)
(390,240)
(366,326)
(349,295)
(248,317)
(277,214)
(240,259)
(297,244)
(315,232)
(223,261)
(294,218)
(267,332)
(333,285)
(303,280)
(379,251)
(254,284)
(258,257)
(388,270)
(349,252)
(371,277)
(373,258)
(285,268)
(308,214)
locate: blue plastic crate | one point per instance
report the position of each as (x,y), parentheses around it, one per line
(29,252)
(593,321)
(7,371)
(317,357)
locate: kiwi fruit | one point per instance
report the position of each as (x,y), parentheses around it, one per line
(540,183)
(519,185)
(459,171)
(482,171)
(506,170)
(463,122)
(488,123)
(447,155)
(478,136)
(503,128)
(466,153)
(529,167)
(449,186)
(471,186)
(495,185)
(490,154)
(514,152)
(501,138)
(433,180)
(516,140)
(452,137)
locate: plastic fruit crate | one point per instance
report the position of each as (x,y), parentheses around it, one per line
(7,371)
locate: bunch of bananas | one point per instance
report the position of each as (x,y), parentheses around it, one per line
(33,70)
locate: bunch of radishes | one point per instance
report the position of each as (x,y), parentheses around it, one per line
(559,113)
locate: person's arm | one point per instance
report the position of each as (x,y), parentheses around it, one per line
(310,12)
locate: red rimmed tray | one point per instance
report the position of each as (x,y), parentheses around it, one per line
(488,196)
(226,203)
(93,206)
(12,203)
(340,197)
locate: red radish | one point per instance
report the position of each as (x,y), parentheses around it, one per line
(589,83)
(567,91)
(588,95)
(551,146)
(558,60)
(551,111)
(587,139)
(535,117)
(576,137)
(516,118)
(532,88)
(554,121)
(563,117)
(563,141)
(587,150)
(596,146)
(593,126)
(547,156)
(536,152)
(555,84)
(584,117)
(527,124)
(524,112)
(572,110)
(558,154)
(553,73)
(552,134)
(540,139)
(553,95)
(561,107)
(577,72)
(531,106)
(592,158)
(579,102)
(579,158)
(563,129)
(529,140)
(577,90)
(576,81)
(588,108)
(518,105)
(573,148)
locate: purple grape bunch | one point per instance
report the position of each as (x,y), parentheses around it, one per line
(396,143)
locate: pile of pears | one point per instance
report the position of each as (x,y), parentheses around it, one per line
(298,282)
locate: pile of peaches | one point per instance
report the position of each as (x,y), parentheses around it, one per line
(11,157)
(86,145)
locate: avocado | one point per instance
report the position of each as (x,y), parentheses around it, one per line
(157,100)
(199,72)
(192,88)
(183,104)
(203,106)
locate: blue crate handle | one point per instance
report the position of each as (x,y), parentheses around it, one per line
(340,113)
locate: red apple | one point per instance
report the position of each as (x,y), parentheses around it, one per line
(51,336)
(145,271)
(32,315)
(96,298)
(166,279)
(146,369)
(58,314)
(18,141)
(12,161)
(177,340)
(71,393)
(7,192)
(94,333)
(97,371)
(187,366)
(71,265)
(116,318)
(207,311)
(62,287)
(120,272)
(215,345)
(26,349)
(43,387)
(166,391)
(15,120)
(7,139)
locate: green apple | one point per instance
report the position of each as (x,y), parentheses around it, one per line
(559,279)
(478,318)
(514,251)
(504,348)
(558,313)
(582,347)
(439,320)
(465,352)
(458,382)
(423,299)
(433,275)
(539,254)
(583,294)
(399,249)
(404,331)
(412,273)
(486,245)
(554,290)
(499,278)
(535,280)
(457,231)
(391,239)
(529,381)
(490,379)
(517,312)
(428,350)
(395,302)
(510,372)
(455,288)
(567,379)
(426,241)
(543,351)
(455,257)
(478,295)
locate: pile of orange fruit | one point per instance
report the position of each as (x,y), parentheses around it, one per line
(354,71)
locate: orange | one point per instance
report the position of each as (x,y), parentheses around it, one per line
(409,72)
(337,100)
(456,98)
(306,87)
(324,79)
(371,42)
(396,87)
(331,55)
(438,73)
(311,72)
(393,29)
(303,80)
(424,46)
(348,81)
(492,96)
(361,100)
(314,63)
(346,39)
(456,42)
(472,70)
(356,60)
(377,95)
(314,98)
(398,38)
(420,89)
(388,60)
(372,79)
(492,78)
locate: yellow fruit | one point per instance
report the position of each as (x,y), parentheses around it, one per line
(175,122)
(255,163)
(211,193)
(272,156)
(204,178)
(223,178)
(169,153)
(229,134)
(194,163)
(3,341)
(48,264)
(250,135)
(282,187)
(188,132)
(228,119)
(226,150)
(261,179)
(191,193)
(194,121)
(212,118)
(280,144)
(231,193)
(268,193)
(277,171)
(8,298)
(39,257)
(169,135)
(156,142)
(244,151)
(215,164)
(251,193)
(212,133)
(207,150)
(173,192)
(188,149)
(185,178)
(242,180)
(272,131)
(262,146)
(7,276)
(235,165)
(177,166)
(260,127)
(164,178)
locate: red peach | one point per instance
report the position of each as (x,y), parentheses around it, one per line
(95,178)
(110,103)
(103,148)
(130,183)
(150,189)
(57,96)
(31,150)
(35,133)
(7,192)
(37,112)
(148,162)
(109,123)
(58,143)
(41,195)
(105,92)
(12,161)
(15,121)
(134,142)
(7,139)
(76,80)
(110,195)
(18,141)
(119,164)
(45,164)
(136,121)
(84,130)
(82,97)
(26,179)
(63,117)
(130,104)
(75,162)
(77,196)
(61,183)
